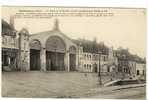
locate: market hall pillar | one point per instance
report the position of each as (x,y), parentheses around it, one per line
(24,58)
(43,59)
(66,58)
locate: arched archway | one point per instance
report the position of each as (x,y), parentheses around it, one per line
(35,47)
(72,58)
(95,67)
(55,52)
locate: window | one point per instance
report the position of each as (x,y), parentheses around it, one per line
(138,72)
(108,69)
(5,60)
(85,56)
(90,67)
(85,66)
(125,70)
(93,57)
(89,56)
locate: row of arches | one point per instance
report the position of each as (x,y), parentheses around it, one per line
(55,55)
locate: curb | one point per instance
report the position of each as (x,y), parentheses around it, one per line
(132,86)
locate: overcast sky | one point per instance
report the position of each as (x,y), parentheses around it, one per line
(126,28)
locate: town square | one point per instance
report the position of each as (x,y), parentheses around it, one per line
(66,60)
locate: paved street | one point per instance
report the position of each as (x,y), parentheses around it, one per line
(62,84)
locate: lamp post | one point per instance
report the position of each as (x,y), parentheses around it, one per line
(99,73)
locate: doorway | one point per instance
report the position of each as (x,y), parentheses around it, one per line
(72,60)
(34,59)
(55,61)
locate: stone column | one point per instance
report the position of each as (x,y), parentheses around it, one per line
(66,58)
(77,60)
(24,63)
(43,59)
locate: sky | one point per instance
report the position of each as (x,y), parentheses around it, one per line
(126,28)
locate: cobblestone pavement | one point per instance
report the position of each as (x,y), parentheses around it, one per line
(53,84)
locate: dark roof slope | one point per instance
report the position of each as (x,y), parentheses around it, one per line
(92,46)
(124,54)
(5,24)
(7,29)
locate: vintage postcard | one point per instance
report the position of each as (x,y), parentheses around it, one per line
(73,52)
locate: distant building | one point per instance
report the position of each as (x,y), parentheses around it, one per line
(140,69)
(132,68)
(137,67)
(14,47)
(129,64)
(10,48)
(122,56)
(92,53)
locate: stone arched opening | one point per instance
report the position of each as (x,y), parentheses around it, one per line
(35,61)
(72,58)
(95,67)
(55,53)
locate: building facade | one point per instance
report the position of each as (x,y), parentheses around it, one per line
(129,64)
(10,48)
(53,51)
(15,53)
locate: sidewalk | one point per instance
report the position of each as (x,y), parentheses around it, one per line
(107,90)
(113,88)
